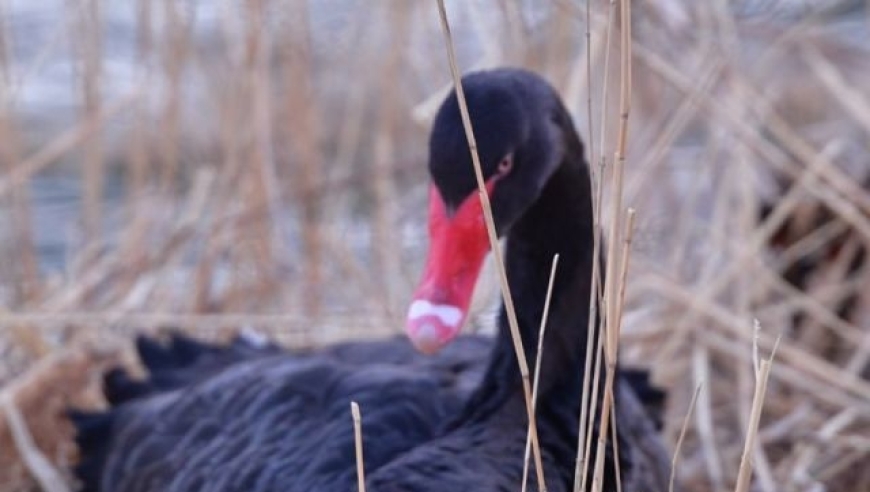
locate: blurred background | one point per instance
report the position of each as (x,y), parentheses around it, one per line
(225,165)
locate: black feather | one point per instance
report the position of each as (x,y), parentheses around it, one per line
(246,417)
(653,398)
(93,433)
(119,387)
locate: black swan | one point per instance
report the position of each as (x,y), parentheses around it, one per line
(251,418)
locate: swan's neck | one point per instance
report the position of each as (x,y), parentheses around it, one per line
(560,222)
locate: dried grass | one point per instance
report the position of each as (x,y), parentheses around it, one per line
(272,178)
(358,444)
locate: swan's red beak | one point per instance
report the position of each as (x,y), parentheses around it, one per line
(458,247)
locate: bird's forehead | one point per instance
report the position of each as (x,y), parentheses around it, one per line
(499,127)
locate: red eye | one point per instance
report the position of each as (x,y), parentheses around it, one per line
(506,164)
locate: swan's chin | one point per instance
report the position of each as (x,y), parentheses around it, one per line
(432,326)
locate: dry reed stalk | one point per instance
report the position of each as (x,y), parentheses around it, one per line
(424,112)
(623,275)
(831,287)
(811,364)
(704,418)
(579,84)
(606,414)
(66,142)
(678,446)
(13,85)
(762,374)
(588,406)
(125,275)
(538,358)
(841,194)
(48,477)
(763,469)
(552,59)
(614,437)
(720,279)
(861,356)
(611,344)
(358,445)
(25,268)
(791,376)
(821,320)
(853,102)
(593,409)
(812,242)
(97,273)
(33,402)
(623,272)
(779,430)
(232,102)
(590,387)
(806,454)
(351,124)
(138,153)
(492,47)
(614,284)
(87,22)
(358,277)
(173,57)
(247,170)
(605,84)
(191,223)
(842,189)
(136,273)
(579,77)
(810,305)
(263,192)
(516,25)
(840,467)
(304,133)
(788,205)
(494,246)
(385,214)
(742,223)
(853,203)
(653,159)
(289,328)
(685,225)
(594,351)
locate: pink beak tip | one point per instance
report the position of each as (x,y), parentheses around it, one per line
(426,337)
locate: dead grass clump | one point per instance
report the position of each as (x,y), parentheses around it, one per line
(34,432)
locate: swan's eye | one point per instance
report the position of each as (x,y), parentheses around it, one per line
(506,164)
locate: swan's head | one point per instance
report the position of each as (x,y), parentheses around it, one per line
(518,122)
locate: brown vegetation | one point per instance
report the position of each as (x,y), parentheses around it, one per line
(271,159)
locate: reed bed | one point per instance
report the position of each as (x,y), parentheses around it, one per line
(260,166)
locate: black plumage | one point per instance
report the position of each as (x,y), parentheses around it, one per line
(251,418)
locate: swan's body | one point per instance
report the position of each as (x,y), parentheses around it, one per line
(264,422)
